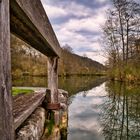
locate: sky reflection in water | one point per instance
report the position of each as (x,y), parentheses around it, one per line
(84,114)
(110,111)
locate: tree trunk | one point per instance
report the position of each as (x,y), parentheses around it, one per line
(122,34)
(127,42)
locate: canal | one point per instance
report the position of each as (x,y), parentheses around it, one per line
(98,109)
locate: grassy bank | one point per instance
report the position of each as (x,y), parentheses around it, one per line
(17,91)
(129,73)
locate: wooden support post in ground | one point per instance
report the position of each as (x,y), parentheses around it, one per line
(6,117)
(53,84)
(53,78)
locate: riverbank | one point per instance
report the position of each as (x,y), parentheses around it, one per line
(59,75)
(129,73)
(128,79)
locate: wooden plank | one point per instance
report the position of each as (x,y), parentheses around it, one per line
(30,23)
(24,106)
(6,117)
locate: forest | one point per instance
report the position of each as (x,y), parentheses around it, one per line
(28,61)
(121,37)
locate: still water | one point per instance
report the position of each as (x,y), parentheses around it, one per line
(98,109)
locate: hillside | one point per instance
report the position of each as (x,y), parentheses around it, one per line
(27,61)
(75,64)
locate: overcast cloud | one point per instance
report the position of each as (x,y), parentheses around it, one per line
(78,24)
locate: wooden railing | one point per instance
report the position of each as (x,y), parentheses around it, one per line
(28,21)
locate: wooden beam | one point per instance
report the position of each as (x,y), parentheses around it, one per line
(53,85)
(53,78)
(6,117)
(30,23)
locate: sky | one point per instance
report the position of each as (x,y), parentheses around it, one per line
(78,24)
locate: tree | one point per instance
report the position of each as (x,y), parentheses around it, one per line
(121,32)
(122,24)
(84,55)
(68,48)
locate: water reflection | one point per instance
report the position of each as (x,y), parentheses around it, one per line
(29,81)
(120,117)
(76,84)
(84,115)
(72,84)
(110,111)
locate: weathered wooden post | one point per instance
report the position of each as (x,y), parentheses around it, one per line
(53,86)
(6,117)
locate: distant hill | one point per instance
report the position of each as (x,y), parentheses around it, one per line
(71,63)
(28,61)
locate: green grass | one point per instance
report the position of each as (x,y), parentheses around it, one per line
(16,91)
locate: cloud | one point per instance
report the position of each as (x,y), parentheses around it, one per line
(54,12)
(85,24)
(101,1)
(78,23)
(71,9)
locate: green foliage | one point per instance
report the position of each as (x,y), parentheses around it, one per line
(16,91)
(31,62)
(129,73)
(72,64)
(132,72)
(26,60)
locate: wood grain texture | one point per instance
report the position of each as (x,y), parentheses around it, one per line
(24,106)
(53,85)
(6,117)
(30,23)
(53,78)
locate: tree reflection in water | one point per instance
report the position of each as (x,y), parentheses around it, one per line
(120,117)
